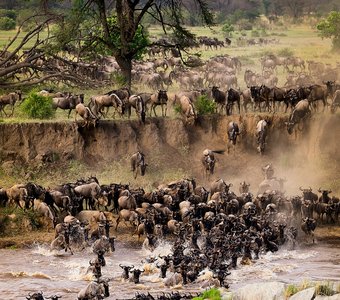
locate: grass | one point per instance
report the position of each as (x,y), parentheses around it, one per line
(291,290)
(324,289)
(212,294)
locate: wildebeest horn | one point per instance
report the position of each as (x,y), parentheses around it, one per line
(319,190)
(310,189)
(301,189)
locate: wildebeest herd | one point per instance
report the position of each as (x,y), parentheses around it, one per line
(212,228)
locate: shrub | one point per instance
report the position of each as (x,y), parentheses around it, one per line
(227,29)
(36,106)
(212,294)
(7,23)
(205,106)
(291,290)
(324,289)
(177,109)
(8,13)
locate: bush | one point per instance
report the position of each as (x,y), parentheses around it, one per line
(291,290)
(205,106)
(36,106)
(228,29)
(9,13)
(7,23)
(212,294)
(324,289)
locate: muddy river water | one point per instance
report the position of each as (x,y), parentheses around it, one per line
(36,269)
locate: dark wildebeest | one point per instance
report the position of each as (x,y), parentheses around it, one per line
(9,99)
(261,133)
(136,274)
(161,98)
(233,132)
(68,102)
(220,97)
(308,226)
(299,113)
(137,161)
(232,97)
(138,104)
(260,94)
(318,92)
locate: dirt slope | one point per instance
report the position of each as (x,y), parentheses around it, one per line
(312,158)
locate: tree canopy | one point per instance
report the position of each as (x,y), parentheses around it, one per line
(330,28)
(116,28)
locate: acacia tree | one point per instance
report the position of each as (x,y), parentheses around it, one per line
(330,28)
(121,30)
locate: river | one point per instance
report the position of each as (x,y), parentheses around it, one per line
(24,271)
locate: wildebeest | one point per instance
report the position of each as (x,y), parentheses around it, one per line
(318,92)
(138,104)
(308,226)
(261,134)
(137,162)
(98,103)
(336,102)
(86,114)
(160,98)
(90,191)
(126,270)
(260,94)
(94,290)
(187,110)
(9,99)
(44,210)
(17,194)
(68,102)
(232,97)
(61,242)
(136,274)
(220,97)
(244,187)
(208,161)
(299,113)
(233,133)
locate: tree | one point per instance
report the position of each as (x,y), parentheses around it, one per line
(121,26)
(29,60)
(330,28)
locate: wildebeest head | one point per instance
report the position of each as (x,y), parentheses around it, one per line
(126,270)
(162,96)
(136,274)
(290,127)
(35,296)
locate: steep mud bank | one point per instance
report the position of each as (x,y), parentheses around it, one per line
(307,158)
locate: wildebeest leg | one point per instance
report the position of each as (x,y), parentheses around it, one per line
(69,113)
(154,109)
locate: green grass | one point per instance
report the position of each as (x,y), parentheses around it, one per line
(324,289)
(212,294)
(291,290)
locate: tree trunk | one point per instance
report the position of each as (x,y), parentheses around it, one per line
(125,65)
